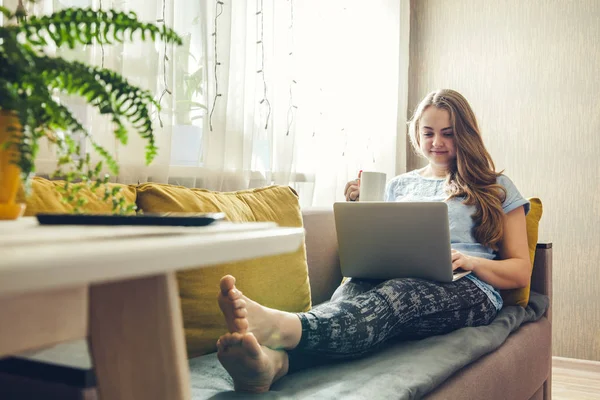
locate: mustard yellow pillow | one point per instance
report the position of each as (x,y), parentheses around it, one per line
(520,297)
(45,198)
(279,282)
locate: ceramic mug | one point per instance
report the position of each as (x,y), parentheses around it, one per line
(372,186)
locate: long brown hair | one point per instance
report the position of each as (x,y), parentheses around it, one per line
(473,174)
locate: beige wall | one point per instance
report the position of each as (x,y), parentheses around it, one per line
(531,70)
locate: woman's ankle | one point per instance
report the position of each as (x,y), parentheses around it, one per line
(284,333)
(291,331)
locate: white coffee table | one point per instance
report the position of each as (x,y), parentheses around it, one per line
(117,287)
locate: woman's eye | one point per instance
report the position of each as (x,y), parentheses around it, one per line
(427,134)
(450,134)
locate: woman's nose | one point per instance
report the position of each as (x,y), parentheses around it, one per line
(437,142)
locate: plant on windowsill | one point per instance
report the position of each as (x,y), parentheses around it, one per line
(186,135)
(187,85)
(30,81)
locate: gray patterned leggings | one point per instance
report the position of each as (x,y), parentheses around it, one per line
(364,314)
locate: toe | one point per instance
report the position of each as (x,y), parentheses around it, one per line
(241,324)
(224,341)
(240,313)
(230,339)
(251,345)
(222,345)
(234,294)
(227,283)
(240,303)
(236,338)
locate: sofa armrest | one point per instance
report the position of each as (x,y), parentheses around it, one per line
(541,278)
(321,253)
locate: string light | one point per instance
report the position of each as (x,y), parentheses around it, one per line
(318,119)
(166,90)
(261,70)
(21,12)
(102,57)
(291,108)
(101,44)
(218,11)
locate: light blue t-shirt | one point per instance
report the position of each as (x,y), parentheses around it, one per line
(413,187)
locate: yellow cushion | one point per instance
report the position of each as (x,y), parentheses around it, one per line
(521,296)
(279,282)
(45,198)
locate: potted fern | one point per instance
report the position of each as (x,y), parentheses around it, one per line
(30,81)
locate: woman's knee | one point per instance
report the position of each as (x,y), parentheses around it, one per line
(403,284)
(351,288)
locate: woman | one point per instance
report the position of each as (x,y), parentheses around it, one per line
(488,234)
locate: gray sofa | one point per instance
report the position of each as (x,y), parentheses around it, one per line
(520,369)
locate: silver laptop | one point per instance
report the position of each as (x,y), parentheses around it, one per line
(385,240)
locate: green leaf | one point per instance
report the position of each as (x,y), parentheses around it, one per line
(6,12)
(84,26)
(98,168)
(198,105)
(110,161)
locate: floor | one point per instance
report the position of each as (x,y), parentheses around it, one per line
(575,379)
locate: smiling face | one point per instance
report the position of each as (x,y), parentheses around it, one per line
(436,138)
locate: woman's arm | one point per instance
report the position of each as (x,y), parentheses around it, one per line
(513,270)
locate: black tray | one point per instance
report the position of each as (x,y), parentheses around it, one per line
(156,219)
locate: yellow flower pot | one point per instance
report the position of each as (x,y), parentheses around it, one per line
(10,179)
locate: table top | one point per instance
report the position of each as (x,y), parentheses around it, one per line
(35,257)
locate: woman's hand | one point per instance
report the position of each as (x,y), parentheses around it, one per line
(352,189)
(463,261)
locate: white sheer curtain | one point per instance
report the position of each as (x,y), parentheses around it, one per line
(301,93)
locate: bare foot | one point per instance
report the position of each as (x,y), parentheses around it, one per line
(272,328)
(252,367)
(232,305)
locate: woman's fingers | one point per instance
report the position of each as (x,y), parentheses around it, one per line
(347,187)
(353,195)
(352,191)
(457,260)
(351,183)
(463,261)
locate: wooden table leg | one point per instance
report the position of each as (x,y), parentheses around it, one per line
(136,340)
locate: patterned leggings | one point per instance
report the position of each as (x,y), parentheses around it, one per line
(364,314)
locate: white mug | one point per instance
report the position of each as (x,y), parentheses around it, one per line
(372,186)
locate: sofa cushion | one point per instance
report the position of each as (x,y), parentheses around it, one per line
(279,282)
(521,296)
(45,198)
